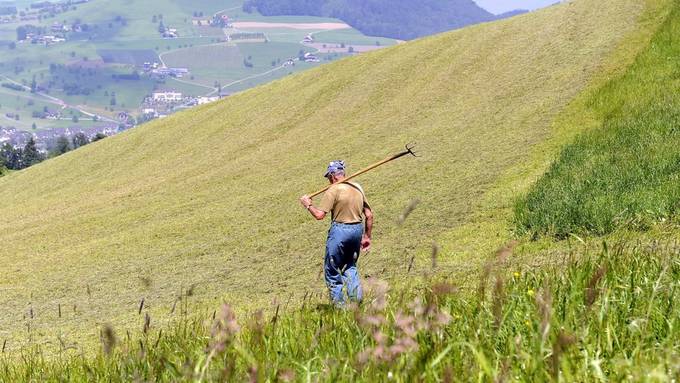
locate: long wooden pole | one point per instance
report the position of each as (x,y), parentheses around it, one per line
(369,168)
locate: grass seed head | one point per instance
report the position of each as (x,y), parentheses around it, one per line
(286,375)
(592,289)
(407,211)
(108,339)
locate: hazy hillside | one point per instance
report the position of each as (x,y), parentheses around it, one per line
(208,198)
(403,19)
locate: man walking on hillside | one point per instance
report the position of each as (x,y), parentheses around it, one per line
(350,232)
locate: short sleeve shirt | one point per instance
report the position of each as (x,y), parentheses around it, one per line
(344,202)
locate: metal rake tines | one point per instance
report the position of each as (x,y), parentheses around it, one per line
(409,148)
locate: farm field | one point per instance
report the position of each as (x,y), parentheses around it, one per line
(120,38)
(131,217)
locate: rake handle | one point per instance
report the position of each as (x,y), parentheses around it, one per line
(362,171)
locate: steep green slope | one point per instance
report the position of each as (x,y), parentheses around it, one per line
(207,198)
(627,173)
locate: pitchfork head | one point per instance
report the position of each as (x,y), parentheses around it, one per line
(409,149)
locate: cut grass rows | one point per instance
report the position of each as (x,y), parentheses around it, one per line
(209,197)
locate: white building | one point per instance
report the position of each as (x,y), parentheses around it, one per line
(206,100)
(167,96)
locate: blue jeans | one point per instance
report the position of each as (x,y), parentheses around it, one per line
(340,265)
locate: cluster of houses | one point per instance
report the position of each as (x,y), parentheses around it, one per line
(60,28)
(162,103)
(44,138)
(218,20)
(170,33)
(47,114)
(155,69)
(310,58)
(44,39)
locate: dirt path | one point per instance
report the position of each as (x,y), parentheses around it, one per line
(63,104)
(301,26)
(336,48)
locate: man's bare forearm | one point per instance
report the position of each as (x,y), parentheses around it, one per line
(369,222)
(316,213)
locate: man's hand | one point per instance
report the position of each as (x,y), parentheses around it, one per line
(305,201)
(365,243)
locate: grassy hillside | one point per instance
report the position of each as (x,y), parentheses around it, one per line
(206,200)
(625,174)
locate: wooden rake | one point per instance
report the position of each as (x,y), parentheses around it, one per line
(409,150)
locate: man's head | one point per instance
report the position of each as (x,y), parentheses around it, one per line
(335,171)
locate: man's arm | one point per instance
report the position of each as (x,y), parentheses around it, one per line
(366,238)
(307,204)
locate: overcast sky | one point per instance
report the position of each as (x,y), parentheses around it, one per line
(500,6)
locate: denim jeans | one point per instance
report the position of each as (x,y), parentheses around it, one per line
(340,265)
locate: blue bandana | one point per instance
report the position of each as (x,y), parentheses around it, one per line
(334,167)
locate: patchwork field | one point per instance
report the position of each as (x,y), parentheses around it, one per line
(124,35)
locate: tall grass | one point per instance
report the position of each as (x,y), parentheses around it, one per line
(604,314)
(627,173)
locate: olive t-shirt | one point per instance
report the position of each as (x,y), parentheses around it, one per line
(344,202)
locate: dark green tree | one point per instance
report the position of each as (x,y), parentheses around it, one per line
(3,168)
(12,157)
(21,33)
(80,139)
(98,136)
(31,155)
(61,146)
(161,27)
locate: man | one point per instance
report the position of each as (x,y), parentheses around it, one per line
(350,232)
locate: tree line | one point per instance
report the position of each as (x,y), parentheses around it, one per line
(12,158)
(400,19)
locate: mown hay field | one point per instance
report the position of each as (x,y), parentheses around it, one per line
(207,200)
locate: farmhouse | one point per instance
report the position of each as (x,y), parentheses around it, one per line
(170,33)
(58,27)
(174,72)
(308,39)
(311,58)
(206,100)
(167,96)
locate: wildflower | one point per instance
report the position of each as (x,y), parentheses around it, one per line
(516,274)
(372,320)
(224,328)
(286,375)
(531,293)
(443,318)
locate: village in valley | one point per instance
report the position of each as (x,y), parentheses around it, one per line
(98,67)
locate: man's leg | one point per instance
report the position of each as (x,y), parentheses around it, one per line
(333,266)
(353,284)
(351,273)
